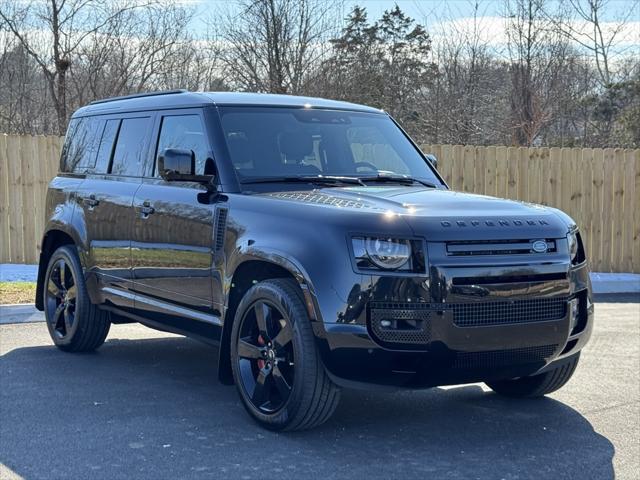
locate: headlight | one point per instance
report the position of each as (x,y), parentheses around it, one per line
(383,253)
(572,238)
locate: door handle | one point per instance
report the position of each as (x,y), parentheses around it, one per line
(146,209)
(91,201)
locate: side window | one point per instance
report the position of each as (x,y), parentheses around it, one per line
(105,149)
(187,132)
(369,146)
(81,144)
(128,157)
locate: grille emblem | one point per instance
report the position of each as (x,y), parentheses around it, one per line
(539,246)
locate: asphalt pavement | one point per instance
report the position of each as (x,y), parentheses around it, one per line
(148,405)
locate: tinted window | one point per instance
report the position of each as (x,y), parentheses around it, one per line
(81,144)
(369,148)
(128,157)
(105,147)
(276,142)
(187,132)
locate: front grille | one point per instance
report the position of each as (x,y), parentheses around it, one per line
(505,313)
(501,358)
(406,325)
(498,247)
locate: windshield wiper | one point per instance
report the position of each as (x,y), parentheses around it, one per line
(404,179)
(332,179)
(336,179)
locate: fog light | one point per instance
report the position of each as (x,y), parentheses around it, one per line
(574,312)
(385,323)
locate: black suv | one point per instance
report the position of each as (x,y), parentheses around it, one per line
(314,243)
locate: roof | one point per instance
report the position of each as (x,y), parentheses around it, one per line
(185,99)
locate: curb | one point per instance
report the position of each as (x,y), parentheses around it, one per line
(17,272)
(615,282)
(20,313)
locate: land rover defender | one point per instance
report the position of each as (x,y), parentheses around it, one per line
(313,243)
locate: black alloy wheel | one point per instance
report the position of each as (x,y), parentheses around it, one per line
(265,356)
(276,364)
(60,299)
(74,323)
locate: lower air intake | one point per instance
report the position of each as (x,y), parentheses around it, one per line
(502,358)
(410,326)
(504,313)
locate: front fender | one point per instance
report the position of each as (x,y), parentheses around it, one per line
(246,253)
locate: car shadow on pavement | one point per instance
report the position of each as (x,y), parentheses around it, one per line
(153,408)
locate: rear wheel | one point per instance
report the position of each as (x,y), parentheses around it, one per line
(537,385)
(276,366)
(74,323)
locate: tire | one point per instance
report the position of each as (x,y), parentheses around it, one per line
(537,385)
(74,323)
(272,348)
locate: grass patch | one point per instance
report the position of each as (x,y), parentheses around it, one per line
(17,292)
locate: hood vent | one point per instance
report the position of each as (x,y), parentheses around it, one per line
(501,247)
(320,199)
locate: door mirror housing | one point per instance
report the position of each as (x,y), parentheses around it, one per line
(432,160)
(175,163)
(179,165)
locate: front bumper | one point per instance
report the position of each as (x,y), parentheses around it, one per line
(464,332)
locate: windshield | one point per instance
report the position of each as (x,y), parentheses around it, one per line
(296,142)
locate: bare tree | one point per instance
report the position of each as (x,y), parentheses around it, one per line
(470,96)
(563,77)
(143,50)
(537,54)
(51,33)
(582,23)
(273,45)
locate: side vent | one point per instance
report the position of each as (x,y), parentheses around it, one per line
(220,228)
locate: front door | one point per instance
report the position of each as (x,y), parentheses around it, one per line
(172,242)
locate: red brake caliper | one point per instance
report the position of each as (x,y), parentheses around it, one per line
(261,362)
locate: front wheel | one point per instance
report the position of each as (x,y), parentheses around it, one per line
(537,385)
(276,366)
(75,324)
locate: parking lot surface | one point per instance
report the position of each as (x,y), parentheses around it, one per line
(148,405)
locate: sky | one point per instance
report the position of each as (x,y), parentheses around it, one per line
(424,10)
(437,15)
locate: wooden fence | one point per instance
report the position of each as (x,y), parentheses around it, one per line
(599,188)
(27,164)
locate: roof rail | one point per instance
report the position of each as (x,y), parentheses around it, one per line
(138,95)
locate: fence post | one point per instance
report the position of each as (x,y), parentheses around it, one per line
(5,236)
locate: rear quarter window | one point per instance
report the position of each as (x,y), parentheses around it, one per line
(81,145)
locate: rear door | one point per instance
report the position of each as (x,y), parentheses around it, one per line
(106,204)
(172,254)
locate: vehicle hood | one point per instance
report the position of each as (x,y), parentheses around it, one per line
(440,214)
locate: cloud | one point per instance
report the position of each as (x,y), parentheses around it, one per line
(492,31)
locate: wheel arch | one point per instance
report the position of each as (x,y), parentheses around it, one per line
(249,270)
(51,241)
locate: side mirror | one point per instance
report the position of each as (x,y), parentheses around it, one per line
(432,160)
(176,163)
(179,165)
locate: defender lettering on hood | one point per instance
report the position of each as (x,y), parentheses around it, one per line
(494,223)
